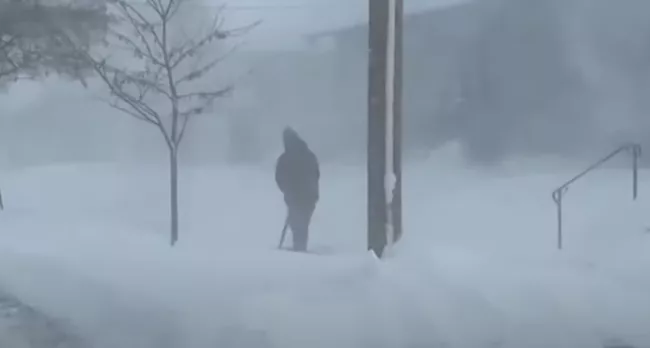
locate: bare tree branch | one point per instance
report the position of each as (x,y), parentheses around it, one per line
(190,47)
(207,95)
(185,120)
(140,26)
(133,91)
(140,23)
(205,99)
(198,72)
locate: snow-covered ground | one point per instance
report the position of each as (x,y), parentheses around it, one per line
(477,267)
(22,326)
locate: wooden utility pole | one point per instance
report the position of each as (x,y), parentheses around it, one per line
(384,124)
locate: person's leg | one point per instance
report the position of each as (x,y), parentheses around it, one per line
(296,226)
(300,216)
(309,211)
(306,212)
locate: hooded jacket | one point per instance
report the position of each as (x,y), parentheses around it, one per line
(297,171)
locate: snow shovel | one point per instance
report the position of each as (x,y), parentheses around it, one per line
(284,232)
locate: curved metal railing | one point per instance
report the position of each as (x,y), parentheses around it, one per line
(558,194)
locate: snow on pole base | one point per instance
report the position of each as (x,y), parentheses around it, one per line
(319,250)
(390,180)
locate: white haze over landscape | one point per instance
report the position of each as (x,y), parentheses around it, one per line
(84,230)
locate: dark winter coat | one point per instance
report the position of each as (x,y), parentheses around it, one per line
(297,171)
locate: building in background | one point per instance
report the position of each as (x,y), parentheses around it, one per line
(437,43)
(508,77)
(503,77)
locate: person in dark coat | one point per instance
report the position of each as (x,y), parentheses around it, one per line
(297,174)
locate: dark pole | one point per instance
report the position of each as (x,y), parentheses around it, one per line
(397,122)
(377,30)
(384,124)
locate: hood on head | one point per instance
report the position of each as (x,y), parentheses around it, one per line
(292,140)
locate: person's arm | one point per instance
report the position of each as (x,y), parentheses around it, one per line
(315,166)
(280,173)
(315,169)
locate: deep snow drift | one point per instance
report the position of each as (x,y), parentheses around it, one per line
(477,267)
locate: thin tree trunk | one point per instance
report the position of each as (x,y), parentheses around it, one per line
(173,166)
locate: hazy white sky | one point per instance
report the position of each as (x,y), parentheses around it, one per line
(284,23)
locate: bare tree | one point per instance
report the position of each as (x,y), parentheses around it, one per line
(168,88)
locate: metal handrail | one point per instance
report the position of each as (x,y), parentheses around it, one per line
(558,194)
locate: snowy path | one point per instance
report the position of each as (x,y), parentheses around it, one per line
(22,326)
(101,315)
(478,267)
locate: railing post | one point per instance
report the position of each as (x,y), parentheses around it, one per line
(558,194)
(636,154)
(557,197)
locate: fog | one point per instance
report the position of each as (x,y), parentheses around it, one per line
(505,78)
(528,91)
